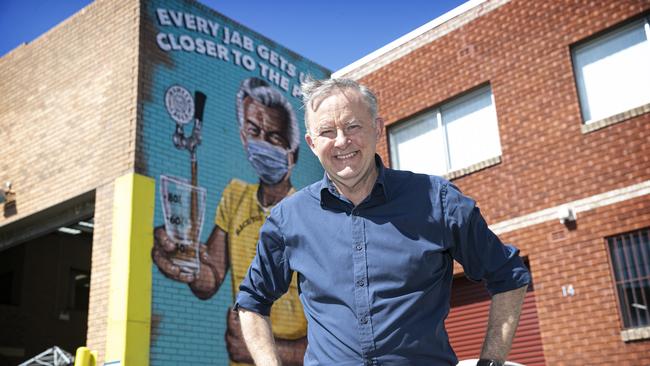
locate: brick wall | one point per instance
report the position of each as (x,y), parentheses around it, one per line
(522,48)
(68,102)
(585,326)
(100,275)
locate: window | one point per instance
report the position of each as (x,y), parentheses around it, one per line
(630,258)
(454,136)
(612,72)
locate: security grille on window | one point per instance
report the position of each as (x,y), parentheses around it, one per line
(630,258)
(454,136)
(612,72)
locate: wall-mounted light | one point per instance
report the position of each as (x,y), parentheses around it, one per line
(566,215)
(6,194)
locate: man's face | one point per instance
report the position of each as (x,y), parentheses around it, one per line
(344,136)
(264,123)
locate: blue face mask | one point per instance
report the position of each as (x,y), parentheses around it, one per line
(269,161)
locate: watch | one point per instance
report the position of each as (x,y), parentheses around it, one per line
(487,362)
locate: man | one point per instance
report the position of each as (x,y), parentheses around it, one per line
(270,136)
(374,249)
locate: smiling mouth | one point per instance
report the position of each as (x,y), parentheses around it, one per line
(346,156)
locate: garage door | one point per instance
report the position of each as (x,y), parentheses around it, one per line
(467,323)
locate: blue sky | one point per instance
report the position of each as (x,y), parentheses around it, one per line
(333,33)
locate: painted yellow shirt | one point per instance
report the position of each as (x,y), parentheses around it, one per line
(241,216)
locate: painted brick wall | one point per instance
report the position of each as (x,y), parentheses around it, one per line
(522,49)
(68,102)
(186,329)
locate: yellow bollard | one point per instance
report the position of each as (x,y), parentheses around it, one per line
(85,357)
(82,357)
(93,358)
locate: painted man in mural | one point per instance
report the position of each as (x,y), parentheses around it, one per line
(270,136)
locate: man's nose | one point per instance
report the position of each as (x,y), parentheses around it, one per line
(341,139)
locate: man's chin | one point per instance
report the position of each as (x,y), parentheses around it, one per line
(345,174)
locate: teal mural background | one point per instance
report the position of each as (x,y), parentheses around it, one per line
(186,330)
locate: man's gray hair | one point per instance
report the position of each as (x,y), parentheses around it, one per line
(314,91)
(260,91)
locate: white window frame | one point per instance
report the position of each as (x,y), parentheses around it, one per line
(441,134)
(582,90)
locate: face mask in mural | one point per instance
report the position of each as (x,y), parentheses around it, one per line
(270,162)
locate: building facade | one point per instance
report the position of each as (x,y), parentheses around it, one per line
(132,118)
(540,112)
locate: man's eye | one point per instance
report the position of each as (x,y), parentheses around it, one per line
(277,140)
(326,133)
(252,130)
(354,127)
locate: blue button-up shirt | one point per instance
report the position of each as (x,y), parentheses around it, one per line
(375,279)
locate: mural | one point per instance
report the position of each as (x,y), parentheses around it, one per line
(228,98)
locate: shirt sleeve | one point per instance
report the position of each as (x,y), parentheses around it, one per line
(228,204)
(222,218)
(269,274)
(480,252)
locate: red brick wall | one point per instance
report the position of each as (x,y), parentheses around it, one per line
(577,328)
(522,49)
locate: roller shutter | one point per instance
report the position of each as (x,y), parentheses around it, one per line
(467,323)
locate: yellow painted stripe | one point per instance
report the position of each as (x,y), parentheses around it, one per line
(129,305)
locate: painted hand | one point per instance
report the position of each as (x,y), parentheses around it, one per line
(162,252)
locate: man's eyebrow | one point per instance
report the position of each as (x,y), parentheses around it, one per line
(324,126)
(248,120)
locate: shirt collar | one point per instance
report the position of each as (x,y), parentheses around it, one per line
(326,186)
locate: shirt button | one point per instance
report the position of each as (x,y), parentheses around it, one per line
(360,283)
(359,247)
(363,320)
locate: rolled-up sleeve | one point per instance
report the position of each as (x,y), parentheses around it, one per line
(269,274)
(480,252)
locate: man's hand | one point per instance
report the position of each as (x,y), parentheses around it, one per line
(235,339)
(505,309)
(162,252)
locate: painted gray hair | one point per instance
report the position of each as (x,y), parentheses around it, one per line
(314,91)
(260,91)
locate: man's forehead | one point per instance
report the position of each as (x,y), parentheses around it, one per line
(346,96)
(255,107)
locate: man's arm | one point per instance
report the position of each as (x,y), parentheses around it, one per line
(257,333)
(291,351)
(505,309)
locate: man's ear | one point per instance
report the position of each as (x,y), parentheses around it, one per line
(244,139)
(379,127)
(310,141)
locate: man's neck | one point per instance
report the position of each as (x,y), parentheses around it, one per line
(268,195)
(357,192)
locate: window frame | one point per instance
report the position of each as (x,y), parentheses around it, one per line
(436,113)
(589,42)
(621,303)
